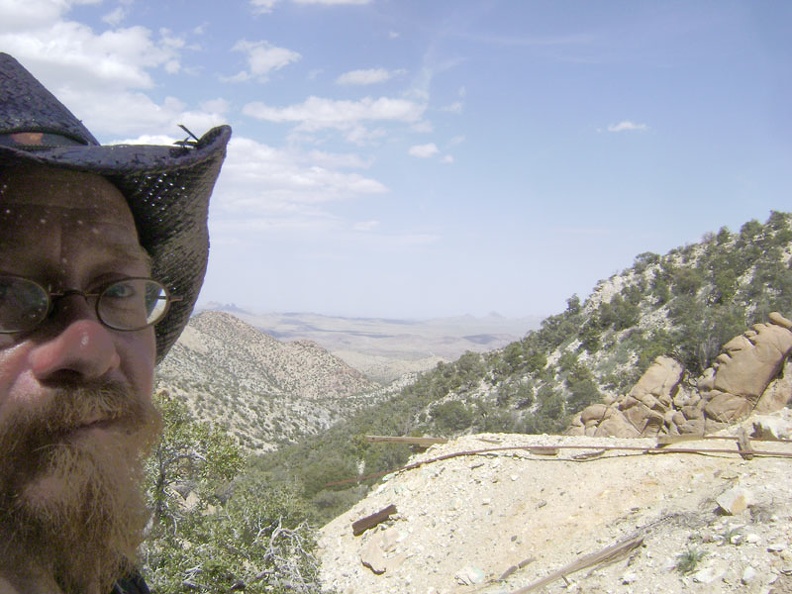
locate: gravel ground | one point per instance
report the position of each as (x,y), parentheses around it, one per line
(579,513)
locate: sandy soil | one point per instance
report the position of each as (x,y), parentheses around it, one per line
(523,509)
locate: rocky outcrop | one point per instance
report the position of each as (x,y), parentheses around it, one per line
(746,377)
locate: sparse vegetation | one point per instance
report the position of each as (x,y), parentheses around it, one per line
(688,561)
(217,528)
(685,304)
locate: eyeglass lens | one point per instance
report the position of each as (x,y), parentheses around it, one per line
(128,304)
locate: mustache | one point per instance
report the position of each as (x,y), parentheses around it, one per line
(66,409)
(72,407)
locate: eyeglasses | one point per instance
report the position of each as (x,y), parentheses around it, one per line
(128,304)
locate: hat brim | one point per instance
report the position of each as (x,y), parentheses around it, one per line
(168,190)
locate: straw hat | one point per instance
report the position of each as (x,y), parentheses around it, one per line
(167,187)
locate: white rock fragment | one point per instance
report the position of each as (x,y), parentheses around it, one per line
(748,575)
(735,500)
(774,428)
(753,538)
(469,576)
(371,556)
(629,578)
(707,575)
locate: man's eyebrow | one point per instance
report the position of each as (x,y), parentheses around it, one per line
(133,253)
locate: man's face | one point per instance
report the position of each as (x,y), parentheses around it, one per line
(75,397)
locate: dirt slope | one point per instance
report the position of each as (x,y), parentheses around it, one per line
(463,522)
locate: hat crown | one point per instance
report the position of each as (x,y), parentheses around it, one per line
(27,106)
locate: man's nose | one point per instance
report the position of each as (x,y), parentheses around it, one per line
(80,347)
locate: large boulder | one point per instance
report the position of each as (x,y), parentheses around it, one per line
(747,377)
(750,361)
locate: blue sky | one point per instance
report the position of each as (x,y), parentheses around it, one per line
(416,158)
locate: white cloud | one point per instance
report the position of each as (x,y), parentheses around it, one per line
(455,107)
(70,55)
(423,151)
(116,17)
(448,160)
(627,126)
(366,77)
(317,113)
(263,58)
(267,6)
(332,2)
(103,77)
(19,15)
(259,180)
(263,6)
(267,190)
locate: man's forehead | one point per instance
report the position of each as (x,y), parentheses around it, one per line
(36,202)
(47,187)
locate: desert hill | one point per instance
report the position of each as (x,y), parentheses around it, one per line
(265,391)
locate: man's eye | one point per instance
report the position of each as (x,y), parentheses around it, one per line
(120,290)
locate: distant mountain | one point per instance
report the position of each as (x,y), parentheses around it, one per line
(266,391)
(385,349)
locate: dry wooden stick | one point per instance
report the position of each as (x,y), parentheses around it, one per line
(607,555)
(514,568)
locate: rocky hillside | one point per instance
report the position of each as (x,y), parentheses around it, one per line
(684,305)
(643,355)
(267,392)
(512,514)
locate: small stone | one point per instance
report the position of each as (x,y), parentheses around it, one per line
(629,578)
(735,501)
(748,576)
(371,556)
(776,547)
(469,576)
(706,575)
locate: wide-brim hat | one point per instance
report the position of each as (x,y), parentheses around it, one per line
(167,187)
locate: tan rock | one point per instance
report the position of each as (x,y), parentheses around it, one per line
(616,426)
(692,412)
(693,427)
(372,557)
(594,412)
(777,395)
(750,361)
(779,320)
(641,417)
(771,428)
(727,408)
(735,501)
(660,380)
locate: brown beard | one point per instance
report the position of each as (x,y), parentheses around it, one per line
(71,504)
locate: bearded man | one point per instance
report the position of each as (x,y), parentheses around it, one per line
(103,250)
